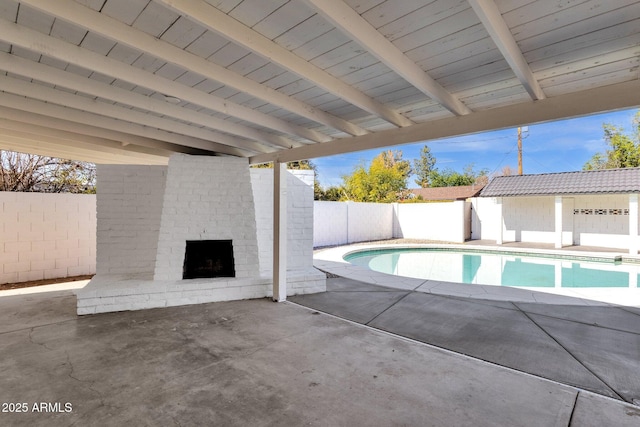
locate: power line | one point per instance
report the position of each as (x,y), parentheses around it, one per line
(468,141)
(503,158)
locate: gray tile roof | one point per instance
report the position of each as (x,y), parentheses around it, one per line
(607,181)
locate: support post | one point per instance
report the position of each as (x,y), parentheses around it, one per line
(500,221)
(633,224)
(558,218)
(279,231)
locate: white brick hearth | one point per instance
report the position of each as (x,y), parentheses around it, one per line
(147,213)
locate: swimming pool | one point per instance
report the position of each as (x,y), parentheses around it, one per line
(499,269)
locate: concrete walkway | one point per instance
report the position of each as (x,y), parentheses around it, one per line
(257,363)
(592,348)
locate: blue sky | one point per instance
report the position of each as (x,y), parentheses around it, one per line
(558,146)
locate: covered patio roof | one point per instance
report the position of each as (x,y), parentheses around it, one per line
(133,81)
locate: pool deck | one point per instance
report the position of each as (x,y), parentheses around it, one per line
(595,348)
(358,354)
(258,363)
(331,260)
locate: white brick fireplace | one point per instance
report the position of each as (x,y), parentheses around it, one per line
(146,215)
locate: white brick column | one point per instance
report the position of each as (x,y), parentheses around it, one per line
(279,231)
(633,224)
(558,220)
(500,218)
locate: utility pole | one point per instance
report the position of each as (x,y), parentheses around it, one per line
(519,150)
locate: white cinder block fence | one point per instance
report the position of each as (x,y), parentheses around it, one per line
(46,236)
(338,223)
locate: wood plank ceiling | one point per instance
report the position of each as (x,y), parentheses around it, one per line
(131,81)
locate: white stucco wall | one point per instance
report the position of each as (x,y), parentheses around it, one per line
(46,236)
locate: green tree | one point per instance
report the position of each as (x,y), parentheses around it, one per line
(423,167)
(385,180)
(331,194)
(623,151)
(451,178)
(297,165)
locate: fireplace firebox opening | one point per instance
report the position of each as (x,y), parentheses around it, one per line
(208,258)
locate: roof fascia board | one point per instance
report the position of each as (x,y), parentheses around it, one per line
(585,102)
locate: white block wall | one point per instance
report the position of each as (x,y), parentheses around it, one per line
(207,198)
(46,236)
(601,230)
(299,218)
(330,223)
(338,223)
(532,219)
(370,221)
(128,209)
(445,221)
(528,219)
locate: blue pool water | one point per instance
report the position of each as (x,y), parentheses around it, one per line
(499,269)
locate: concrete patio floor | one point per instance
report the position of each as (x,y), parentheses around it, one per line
(257,363)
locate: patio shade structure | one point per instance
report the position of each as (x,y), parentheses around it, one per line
(132,81)
(289,80)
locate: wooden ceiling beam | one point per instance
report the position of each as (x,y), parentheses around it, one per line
(351,23)
(124,139)
(57,77)
(72,54)
(82,118)
(54,96)
(115,30)
(70,147)
(493,22)
(224,25)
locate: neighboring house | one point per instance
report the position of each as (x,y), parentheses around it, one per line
(462,192)
(588,208)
